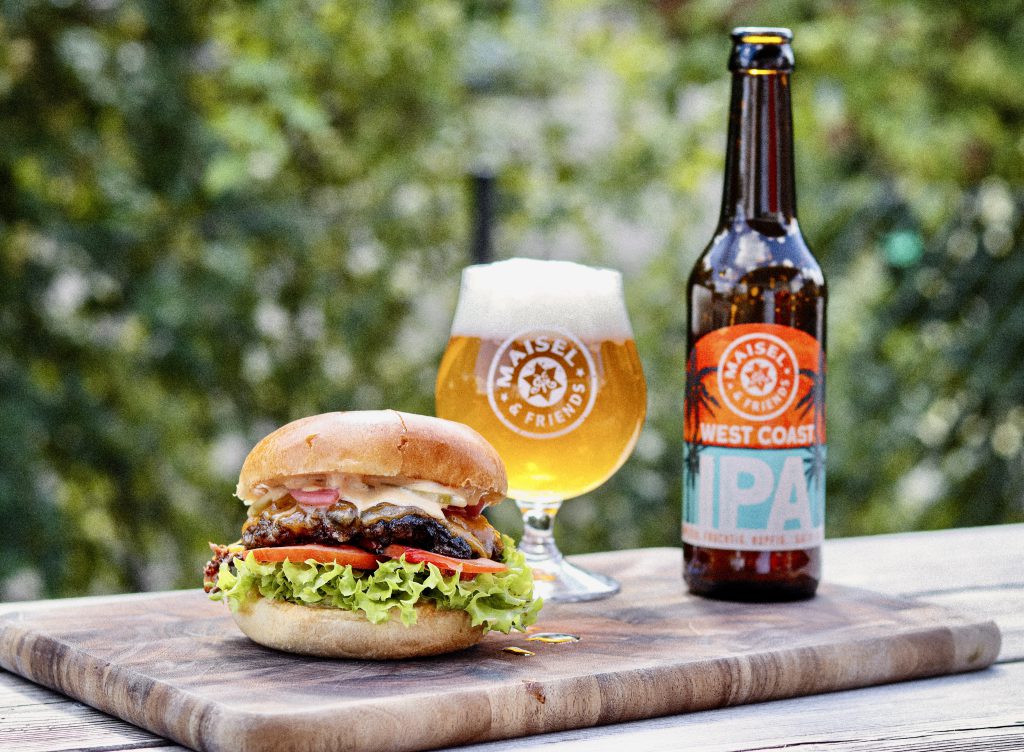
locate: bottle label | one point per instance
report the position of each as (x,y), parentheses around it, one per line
(754,450)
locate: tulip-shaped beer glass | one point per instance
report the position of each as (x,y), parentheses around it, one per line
(542,362)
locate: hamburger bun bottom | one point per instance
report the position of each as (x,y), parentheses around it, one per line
(336,633)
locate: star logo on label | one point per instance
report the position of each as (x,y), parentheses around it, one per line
(757,376)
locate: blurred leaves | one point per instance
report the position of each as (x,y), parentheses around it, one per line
(216,217)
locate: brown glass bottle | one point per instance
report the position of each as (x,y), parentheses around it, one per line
(755,426)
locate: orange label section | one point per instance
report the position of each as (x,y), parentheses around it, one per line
(756,386)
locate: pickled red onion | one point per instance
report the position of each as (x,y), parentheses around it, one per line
(324,497)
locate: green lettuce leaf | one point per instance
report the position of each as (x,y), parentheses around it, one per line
(500,602)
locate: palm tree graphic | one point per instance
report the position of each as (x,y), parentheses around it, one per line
(813,403)
(698,400)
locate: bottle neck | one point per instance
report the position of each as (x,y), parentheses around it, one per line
(759,185)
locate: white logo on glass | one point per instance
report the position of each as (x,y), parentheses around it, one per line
(542,383)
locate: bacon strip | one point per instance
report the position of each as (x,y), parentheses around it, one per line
(212,568)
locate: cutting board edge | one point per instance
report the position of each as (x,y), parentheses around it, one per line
(17,644)
(604,698)
(613,696)
(980,658)
(979,640)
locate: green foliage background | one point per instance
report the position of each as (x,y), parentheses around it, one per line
(218,216)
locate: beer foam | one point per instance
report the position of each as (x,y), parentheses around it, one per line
(505,298)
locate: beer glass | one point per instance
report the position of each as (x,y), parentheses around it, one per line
(542,362)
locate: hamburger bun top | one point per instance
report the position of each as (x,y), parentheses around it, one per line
(379,443)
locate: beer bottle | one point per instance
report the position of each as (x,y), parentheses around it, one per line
(754,464)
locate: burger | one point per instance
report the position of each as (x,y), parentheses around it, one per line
(364,538)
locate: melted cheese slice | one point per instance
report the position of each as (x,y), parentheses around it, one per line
(366,492)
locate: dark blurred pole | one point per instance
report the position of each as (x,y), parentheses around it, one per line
(481,250)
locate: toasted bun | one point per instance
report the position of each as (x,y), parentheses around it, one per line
(335,633)
(383,443)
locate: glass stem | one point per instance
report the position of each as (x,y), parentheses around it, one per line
(538,543)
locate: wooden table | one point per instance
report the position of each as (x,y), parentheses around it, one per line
(980,570)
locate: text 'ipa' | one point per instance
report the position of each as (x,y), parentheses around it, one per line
(754,437)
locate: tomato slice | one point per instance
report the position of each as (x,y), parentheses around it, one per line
(357,557)
(445,563)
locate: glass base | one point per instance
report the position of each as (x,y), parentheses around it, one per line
(555,579)
(567,583)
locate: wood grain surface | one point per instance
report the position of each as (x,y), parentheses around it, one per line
(175,664)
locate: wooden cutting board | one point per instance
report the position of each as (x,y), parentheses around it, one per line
(175,664)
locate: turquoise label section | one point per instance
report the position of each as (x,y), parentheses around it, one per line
(754,499)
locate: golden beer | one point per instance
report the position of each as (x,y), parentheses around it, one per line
(542,363)
(544,460)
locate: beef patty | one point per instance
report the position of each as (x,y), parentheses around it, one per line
(286,523)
